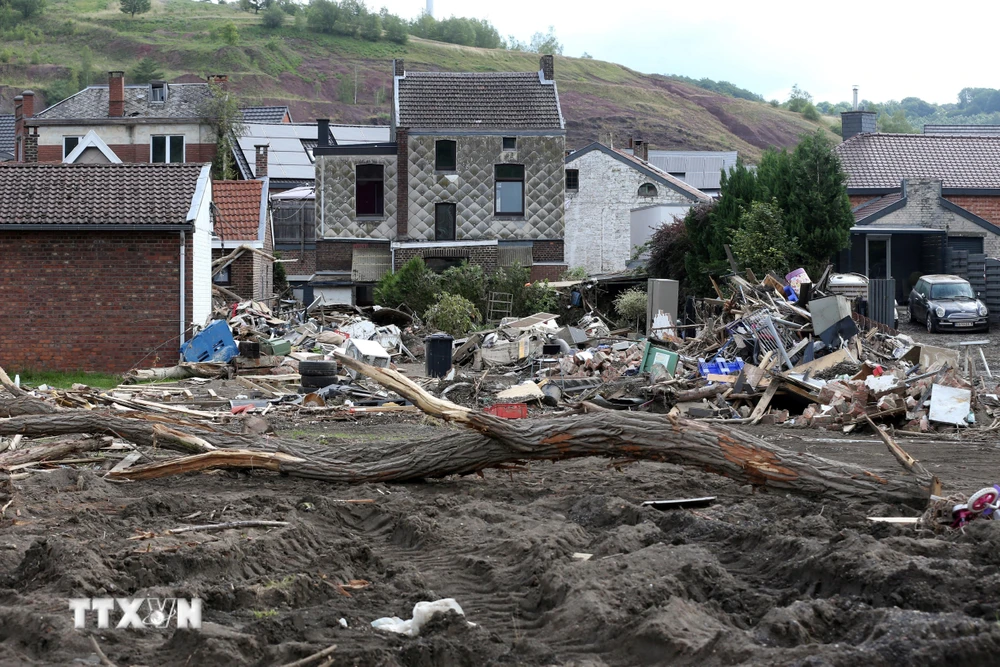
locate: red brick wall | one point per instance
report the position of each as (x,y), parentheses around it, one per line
(550,272)
(50,153)
(484,256)
(334,255)
(985,207)
(547,251)
(304,267)
(100,301)
(241,273)
(134,152)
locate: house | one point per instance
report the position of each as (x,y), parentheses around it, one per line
(106,266)
(614,202)
(916,198)
(267,115)
(6,137)
(700,169)
(472,171)
(158,122)
(242,219)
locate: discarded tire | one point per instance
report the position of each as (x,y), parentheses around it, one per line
(318,381)
(317,368)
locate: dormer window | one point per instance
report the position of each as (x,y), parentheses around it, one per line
(158,91)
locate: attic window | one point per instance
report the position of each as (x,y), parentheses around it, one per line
(510,143)
(158,91)
(647,190)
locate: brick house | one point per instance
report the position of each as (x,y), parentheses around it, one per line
(154,122)
(473,172)
(105,266)
(917,197)
(614,201)
(242,218)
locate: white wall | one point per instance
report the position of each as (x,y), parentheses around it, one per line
(645,221)
(116,134)
(201,262)
(598,216)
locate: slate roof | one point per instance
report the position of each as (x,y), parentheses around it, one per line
(881,161)
(265,114)
(184,100)
(871,207)
(477,100)
(239,214)
(7,133)
(143,195)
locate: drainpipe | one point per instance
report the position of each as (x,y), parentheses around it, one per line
(183,291)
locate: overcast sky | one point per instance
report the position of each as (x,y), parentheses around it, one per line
(890,50)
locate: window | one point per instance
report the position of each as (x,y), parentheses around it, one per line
(444,222)
(509,194)
(445,155)
(167,149)
(370,190)
(510,143)
(647,190)
(69,143)
(223,277)
(157,91)
(442,264)
(572,179)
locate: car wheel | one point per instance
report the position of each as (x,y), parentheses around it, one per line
(931,327)
(318,381)
(913,318)
(317,368)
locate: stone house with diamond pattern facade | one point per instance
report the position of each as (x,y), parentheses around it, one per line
(474,171)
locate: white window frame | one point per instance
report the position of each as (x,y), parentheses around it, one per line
(167,149)
(70,136)
(163,87)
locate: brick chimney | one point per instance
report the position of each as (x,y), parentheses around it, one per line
(640,149)
(31,146)
(548,67)
(24,108)
(398,67)
(28,105)
(261,154)
(116,94)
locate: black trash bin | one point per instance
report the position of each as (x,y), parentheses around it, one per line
(437,354)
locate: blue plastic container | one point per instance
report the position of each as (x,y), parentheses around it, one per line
(214,343)
(720,367)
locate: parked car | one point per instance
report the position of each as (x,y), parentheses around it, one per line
(947,303)
(854,286)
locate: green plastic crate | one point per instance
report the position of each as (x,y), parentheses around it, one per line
(655,354)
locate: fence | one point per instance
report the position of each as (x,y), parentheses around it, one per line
(982,272)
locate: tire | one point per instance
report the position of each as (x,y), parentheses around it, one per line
(323,368)
(318,381)
(931,327)
(913,318)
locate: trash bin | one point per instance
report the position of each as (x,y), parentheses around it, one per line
(437,354)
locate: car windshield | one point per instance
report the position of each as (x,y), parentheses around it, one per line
(952,291)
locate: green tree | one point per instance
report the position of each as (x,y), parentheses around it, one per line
(818,211)
(760,242)
(255,5)
(371,27)
(468,281)
(86,76)
(28,8)
(322,16)
(273,17)
(798,99)
(896,122)
(413,285)
(669,246)
(546,43)
(395,28)
(809,112)
(230,35)
(133,7)
(222,110)
(146,70)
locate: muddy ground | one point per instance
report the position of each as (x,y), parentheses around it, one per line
(755,579)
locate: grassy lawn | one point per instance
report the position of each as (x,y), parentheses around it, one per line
(67,380)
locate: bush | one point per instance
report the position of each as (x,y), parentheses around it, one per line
(467,281)
(229,33)
(529,298)
(631,305)
(28,8)
(413,285)
(395,29)
(809,112)
(273,17)
(453,314)
(576,273)
(761,241)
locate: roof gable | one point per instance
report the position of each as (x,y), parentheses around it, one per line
(240,212)
(645,168)
(117,196)
(477,101)
(91,140)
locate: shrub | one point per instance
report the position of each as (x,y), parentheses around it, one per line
(576,273)
(529,298)
(631,304)
(453,314)
(467,281)
(230,34)
(273,17)
(413,285)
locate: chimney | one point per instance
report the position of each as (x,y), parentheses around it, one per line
(856,122)
(220,80)
(640,149)
(548,66)
(261,167)
(31,146)
(116,94)
(398,67)
(28,105)
(855,98)
(322,132)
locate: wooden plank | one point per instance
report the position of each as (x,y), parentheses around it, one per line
(175,408)
(765,401)
(127,461)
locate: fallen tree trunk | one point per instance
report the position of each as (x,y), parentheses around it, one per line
(49,451)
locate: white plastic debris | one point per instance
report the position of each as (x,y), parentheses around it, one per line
(343,622)
(422,613)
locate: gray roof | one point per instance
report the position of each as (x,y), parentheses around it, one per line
(265,114)
(880,162)
(477,100)
(701,169)
(126,195)
(184,100)
(7,133)
(964,130)
(290,146)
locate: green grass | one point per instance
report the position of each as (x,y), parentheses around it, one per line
(68,379)
(261,614)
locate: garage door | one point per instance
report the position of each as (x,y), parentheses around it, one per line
(971,244)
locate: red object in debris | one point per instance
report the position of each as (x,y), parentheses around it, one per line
(878,371)
(509,410)
(240,409)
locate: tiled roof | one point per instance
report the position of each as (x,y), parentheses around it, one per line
(265,114)
(478,100)
(873,206)
(6,133)
(184,100)
(92,194)
(238,217)
(882,161)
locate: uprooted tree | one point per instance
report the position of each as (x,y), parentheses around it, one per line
(487,442)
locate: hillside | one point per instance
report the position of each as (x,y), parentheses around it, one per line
(315,74)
